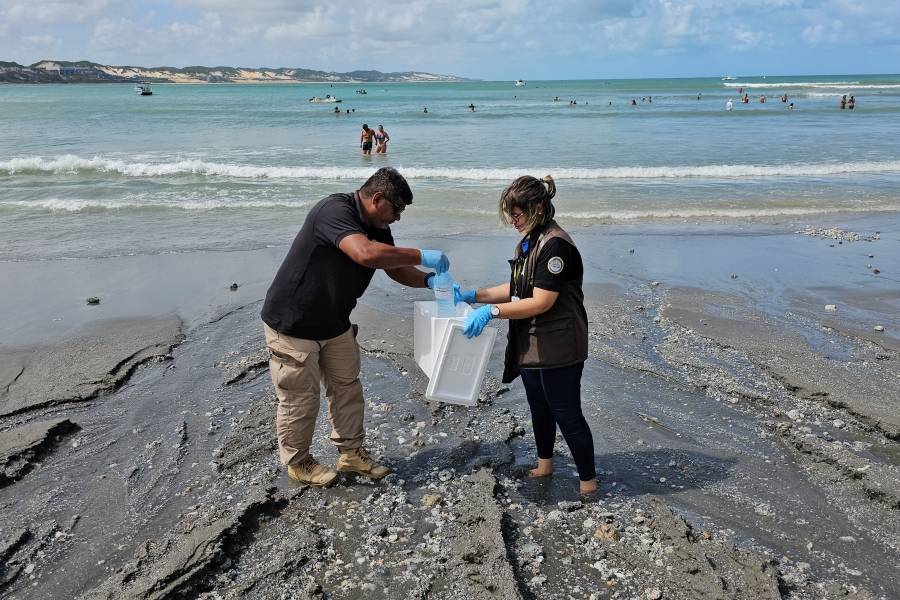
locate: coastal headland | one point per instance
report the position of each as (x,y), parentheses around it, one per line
(747,438)
(50,71)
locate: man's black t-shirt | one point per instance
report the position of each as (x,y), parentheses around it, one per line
(318,285)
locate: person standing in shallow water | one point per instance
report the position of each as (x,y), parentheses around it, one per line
(365,139)
(306,320)
(381,140)
(547,341)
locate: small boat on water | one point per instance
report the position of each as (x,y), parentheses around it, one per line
(729,78)
(143,89)
(520,83)
(328,99)
(361,91)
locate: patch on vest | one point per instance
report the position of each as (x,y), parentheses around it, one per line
(555,265)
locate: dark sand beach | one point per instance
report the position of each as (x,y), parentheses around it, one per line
(748,438)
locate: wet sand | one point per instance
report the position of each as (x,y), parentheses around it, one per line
(747,438)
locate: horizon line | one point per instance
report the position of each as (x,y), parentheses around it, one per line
(464,77)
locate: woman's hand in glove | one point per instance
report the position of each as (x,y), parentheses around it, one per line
(476,321)
(467,296)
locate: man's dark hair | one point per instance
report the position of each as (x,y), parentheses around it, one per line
(390,183)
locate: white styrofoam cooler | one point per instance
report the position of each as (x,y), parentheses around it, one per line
(454,364)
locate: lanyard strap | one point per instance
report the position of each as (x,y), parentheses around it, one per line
(523,269)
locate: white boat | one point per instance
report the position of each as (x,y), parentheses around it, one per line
(143,89)
(520,83)
(729,78)
(328,99)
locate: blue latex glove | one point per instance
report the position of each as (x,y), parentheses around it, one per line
(430,282)
(435,259)
(477,320)
(467,296)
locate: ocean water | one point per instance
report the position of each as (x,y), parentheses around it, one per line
(94,170)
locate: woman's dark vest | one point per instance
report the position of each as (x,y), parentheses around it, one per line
(556,338)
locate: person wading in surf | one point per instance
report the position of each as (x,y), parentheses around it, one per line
(381,140)
(365,139)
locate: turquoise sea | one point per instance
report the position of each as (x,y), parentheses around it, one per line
(94,170)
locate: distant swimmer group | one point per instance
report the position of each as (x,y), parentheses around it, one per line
(368,135)
(745,99)
(845,103)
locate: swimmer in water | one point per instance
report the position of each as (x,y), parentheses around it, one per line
(381,140)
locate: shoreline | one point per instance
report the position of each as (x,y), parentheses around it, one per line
(240,82)
(532,81)
(734,420)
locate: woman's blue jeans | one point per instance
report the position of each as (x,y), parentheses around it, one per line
(554,396)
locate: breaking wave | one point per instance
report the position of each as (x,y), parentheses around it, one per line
(76,205)
(720,213)
(848,85)
(73,165)
(88,205)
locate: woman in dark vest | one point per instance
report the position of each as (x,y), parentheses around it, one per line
(547,343)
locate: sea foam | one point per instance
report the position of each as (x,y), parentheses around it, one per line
(91,205)
(721,213)
(74,165)
(623,214)
(850,85)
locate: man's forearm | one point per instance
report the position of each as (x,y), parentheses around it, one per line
(408,276)
(385,256)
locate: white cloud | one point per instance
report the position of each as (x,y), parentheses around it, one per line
(112,39)
(456,36)
(745,39)
(111,35)
(40,40)
(319,23)
(66,11)
(263,6)
(830,32)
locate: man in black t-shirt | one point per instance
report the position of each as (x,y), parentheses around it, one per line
(306,318)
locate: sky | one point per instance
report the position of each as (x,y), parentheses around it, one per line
(482,39)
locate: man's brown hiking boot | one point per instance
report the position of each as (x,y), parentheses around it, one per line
(312,472)
(357,460)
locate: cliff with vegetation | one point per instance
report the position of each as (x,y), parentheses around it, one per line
(48,71)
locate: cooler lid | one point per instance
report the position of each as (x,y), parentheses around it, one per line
(460,365)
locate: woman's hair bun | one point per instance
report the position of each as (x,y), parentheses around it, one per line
(551,185)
